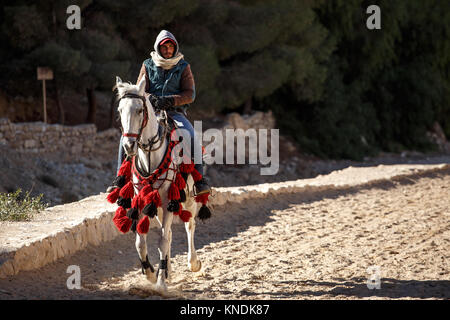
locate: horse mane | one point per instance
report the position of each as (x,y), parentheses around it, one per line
(126,87)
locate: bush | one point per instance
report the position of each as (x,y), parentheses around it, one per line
(17,207)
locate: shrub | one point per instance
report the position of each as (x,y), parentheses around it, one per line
(17,207)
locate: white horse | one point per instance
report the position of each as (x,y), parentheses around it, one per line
(133,107)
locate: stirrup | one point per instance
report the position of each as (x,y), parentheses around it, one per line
(204,183)
(111,188)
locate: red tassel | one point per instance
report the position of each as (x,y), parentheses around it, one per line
(122,222)
(143,225)
(145,190)
(153,197)
(113,195)
(127,192)
(187,168)
(120,212)
(174,193)
(125,170)
(179,181)
(202,198)
(185,215)
(135,203)
(196,175)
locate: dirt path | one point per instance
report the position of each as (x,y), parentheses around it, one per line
(297,246)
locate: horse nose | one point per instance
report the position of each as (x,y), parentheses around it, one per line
(129,146)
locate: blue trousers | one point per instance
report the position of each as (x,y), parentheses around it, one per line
(177,116)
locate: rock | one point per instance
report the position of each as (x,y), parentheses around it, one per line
(30,144)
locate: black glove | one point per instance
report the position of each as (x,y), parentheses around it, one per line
(165,103)
(161,103)
(153,99)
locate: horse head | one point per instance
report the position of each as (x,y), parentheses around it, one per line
(133,113)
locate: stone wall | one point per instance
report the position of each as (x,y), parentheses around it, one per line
(39,137)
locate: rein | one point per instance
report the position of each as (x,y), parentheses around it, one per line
(156,138)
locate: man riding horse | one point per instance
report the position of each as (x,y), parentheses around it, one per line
(170,86)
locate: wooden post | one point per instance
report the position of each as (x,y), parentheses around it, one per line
(45,102)
(43,74)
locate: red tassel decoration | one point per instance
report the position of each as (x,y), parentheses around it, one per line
(125,170)
(113,195)
(179,181)
(135,203)
(203,198)
(185,215)
(145,190)
(153,197)
(127,192)
(196,175)
(174,193)
(143,225)
(122,222)
(120,212)
(186,168)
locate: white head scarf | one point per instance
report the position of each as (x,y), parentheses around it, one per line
(158,59)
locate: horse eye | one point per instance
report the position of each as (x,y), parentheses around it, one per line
(140,111)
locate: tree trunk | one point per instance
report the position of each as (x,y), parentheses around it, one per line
(113,106)
(92,105)
(248,106)
(61,115)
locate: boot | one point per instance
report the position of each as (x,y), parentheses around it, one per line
(202,187)
(110,188)
(118,182)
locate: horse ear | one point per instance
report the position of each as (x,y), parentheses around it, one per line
(118,80)
(141,86)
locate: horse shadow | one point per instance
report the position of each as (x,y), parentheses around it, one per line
(358,288)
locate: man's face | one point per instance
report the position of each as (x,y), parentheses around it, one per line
(167,49)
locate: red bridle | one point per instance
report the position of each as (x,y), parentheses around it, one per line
(144,121)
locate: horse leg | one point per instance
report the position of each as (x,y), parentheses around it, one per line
(164,250)
(169,263)
(194,263)
(141,247)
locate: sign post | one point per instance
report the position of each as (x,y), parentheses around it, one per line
(44,73)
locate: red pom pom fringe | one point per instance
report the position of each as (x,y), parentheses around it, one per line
(186,168)
(143,225)
(153,197)
(203,198)
(122,222)
(145,191)
(185,215)
(125,170)
(196,175)
(113,195)
(127,192)
(179,181)
(135,203)
(174,193)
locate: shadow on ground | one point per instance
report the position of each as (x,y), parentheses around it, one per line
(112,260)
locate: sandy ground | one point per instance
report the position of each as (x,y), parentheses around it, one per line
(314,245)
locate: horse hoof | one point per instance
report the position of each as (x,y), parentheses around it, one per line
(161,286)
(195,267)
(151,276)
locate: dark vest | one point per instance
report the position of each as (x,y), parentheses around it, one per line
(164,82)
